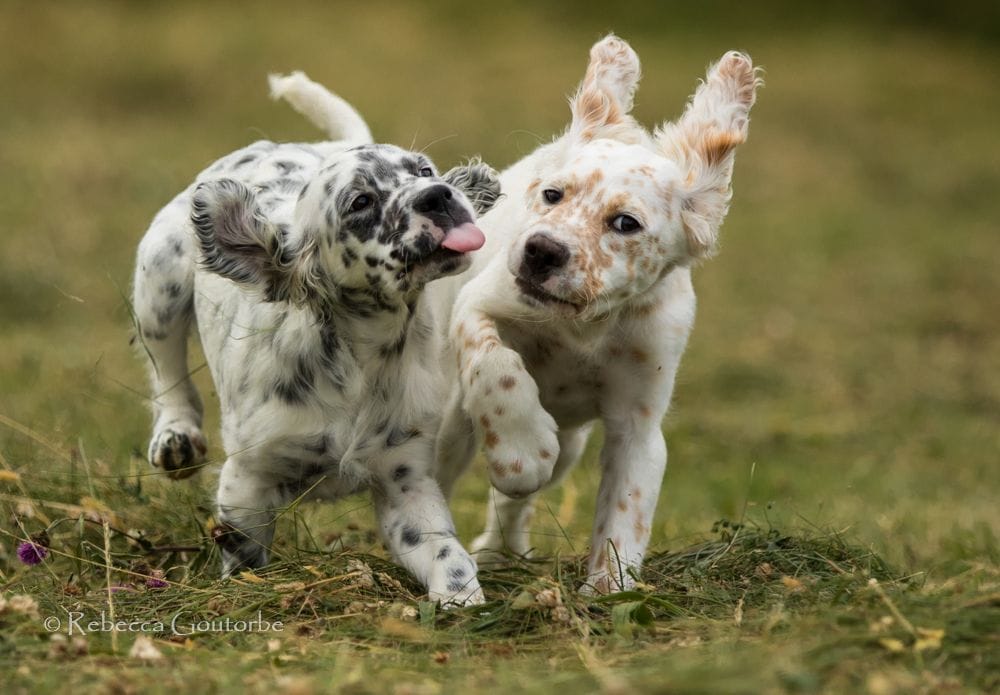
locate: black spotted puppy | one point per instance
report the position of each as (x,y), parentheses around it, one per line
(303,268)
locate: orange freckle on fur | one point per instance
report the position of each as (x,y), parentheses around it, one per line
(622,505)
(499,411)
(640,528)
(508,382)
(601,559)
(716,146)
(638,355)
(517,466)
(646,310)
(644,410)
(485,422)
(636,493)
(491,439)
(499,470)
(544,454)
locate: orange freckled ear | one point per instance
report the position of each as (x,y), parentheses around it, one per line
(715,147)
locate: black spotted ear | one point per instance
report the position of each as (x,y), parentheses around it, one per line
(479,182)
(236,240)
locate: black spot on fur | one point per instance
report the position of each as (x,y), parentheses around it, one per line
(398,436)
(456,585)
(371,261)
(293,388)
(285,167)
(443,553)
(456,572)
(245,160)
(348,256)
(410,536)
(400,472)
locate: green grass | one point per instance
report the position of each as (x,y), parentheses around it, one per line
(840,395)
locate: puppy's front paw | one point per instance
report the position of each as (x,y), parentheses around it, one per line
(520,441)
(455,584)
(179,449)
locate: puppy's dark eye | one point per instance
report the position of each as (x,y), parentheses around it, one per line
(361,202)
(552,195)
(626,224)
(427,171)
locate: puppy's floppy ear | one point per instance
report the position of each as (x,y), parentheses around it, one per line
(703,142)
(479,182)
(238,243)
(604,99)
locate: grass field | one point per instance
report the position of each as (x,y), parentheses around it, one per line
(829,520)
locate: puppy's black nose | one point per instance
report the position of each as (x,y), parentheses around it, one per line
(434,199)
(542,256)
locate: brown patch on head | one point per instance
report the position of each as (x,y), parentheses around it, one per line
(638,355)
(644,410)
(508,382)
(485,422)
(544,454)
(532,187)
(499,470)
(491,439)
(622,505)
(636,493)
(517,466)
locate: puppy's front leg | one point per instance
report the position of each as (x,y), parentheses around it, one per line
(633,461)
(417,526)
(501,397)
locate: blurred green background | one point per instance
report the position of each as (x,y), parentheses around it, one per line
(848,343)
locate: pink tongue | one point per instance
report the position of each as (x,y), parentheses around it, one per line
(465,237)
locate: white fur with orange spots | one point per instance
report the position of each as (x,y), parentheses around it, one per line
(596,331)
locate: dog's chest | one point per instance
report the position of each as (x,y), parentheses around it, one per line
(570,381)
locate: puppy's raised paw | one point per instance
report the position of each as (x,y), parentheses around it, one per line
(519,435)
(179,450)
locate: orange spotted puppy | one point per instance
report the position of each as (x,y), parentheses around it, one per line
(579,307)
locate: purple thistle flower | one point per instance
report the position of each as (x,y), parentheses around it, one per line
(156,581)
(31,553)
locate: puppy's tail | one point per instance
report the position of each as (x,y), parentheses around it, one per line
(326,110)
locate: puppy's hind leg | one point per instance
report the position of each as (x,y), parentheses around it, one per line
(162,299)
